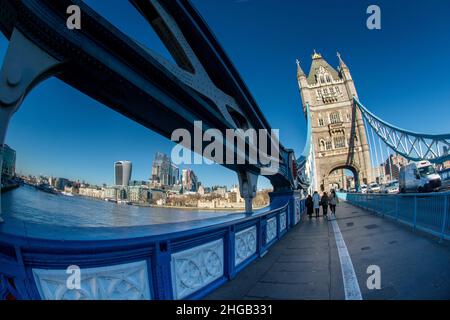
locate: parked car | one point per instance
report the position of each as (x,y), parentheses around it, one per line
(390,187)
(374,188)
(419,177)
(363,188)
(445,178)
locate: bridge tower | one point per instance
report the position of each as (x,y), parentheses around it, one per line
(338,133)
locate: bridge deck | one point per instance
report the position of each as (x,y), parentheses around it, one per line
(306,264)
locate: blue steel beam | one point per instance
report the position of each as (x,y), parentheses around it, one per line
(413,146)
(304,175)
(105,64)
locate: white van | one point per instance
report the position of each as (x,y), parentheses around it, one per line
(419,177)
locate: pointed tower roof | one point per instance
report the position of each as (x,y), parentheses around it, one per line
(316,55)
(342,64)
(318,62)
(300,72)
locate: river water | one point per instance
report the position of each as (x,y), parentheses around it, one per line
(27,203)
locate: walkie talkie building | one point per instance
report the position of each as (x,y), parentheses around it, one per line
(122,170)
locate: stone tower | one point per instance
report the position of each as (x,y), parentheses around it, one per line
(338,133)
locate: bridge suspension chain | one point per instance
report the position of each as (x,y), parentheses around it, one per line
(413,146)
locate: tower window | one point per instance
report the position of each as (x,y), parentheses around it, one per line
(321,123)
(328,78)
(319,93)
(335,118)
(328,145)
(322,145)
(339,142)
(322,80)
(337,90)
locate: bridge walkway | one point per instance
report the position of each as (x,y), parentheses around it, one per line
(306,263)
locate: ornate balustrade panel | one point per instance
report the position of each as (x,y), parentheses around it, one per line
(271,230)
(197,267)
(283,222)
(245,245)
(128,281)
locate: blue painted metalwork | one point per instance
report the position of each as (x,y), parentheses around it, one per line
(414,146)
(53,248)
(107,65)
(306,160)
(427,212)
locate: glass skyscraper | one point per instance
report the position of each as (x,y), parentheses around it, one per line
(122,170)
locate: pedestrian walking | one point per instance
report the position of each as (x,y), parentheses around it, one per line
(316,202)
(309,206)
(334,200)
(325,201)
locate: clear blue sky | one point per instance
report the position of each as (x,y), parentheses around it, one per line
(401,74)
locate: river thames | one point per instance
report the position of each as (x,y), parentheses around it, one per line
(31,205)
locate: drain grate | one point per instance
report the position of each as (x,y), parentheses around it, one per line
(371,226)
(365,248)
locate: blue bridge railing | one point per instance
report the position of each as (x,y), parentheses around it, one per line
(428,212)
(160,262)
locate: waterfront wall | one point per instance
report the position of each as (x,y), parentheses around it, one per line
(175,263)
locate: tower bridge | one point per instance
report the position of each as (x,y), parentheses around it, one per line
(191,260)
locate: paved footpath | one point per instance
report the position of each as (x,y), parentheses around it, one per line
(306,263)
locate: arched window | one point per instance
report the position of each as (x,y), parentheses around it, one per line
(322,80)
(335,118)
(328,78)
(328,145)
(339,142)
(322,145)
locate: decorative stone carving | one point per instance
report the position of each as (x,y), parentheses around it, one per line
(120,282)
(194,268)
(283,221)
(271,229)
(245,245)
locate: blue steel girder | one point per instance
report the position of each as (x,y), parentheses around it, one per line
(107,65)
(303,176)
(411,145)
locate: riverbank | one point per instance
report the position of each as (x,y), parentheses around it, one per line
(9,187)
(146,205)
(237,210)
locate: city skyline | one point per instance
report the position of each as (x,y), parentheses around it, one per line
(76,139)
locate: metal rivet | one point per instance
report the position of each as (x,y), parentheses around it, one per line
(14,76)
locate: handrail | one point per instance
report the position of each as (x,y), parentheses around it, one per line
(428,212)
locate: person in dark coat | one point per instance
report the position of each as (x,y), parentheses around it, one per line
(309,206)
(325,201)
